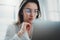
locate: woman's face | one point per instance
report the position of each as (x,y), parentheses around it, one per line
(30,12)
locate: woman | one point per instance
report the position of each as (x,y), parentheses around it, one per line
(22,30)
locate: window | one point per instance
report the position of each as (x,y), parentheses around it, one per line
(8,14)
(53,10)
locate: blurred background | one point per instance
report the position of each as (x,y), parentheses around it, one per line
(9,12)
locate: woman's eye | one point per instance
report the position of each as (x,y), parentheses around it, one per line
(36,11)
(28,10)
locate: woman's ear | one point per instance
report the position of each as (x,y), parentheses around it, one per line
(38,15)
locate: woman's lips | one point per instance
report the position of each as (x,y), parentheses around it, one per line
(30,19)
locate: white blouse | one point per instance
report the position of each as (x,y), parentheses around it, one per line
(12,31)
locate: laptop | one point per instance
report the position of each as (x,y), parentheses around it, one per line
(46,30)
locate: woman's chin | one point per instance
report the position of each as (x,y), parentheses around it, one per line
(30,22)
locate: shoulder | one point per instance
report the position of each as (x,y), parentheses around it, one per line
(11,26)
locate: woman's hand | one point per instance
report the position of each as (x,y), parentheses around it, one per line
(26,27)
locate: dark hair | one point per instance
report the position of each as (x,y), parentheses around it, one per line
(23,4)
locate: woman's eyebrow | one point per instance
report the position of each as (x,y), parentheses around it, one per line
(30,8)
(26,8)
(36,9)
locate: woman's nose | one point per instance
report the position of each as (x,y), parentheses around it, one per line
(31,14)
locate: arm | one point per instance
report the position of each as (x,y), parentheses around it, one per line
(11,35)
